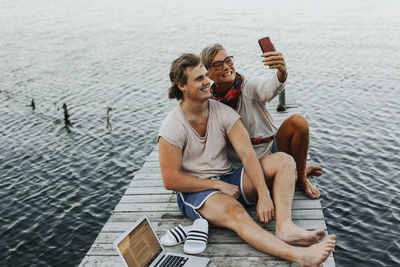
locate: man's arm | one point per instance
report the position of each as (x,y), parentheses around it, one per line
(240,140)
(170,158)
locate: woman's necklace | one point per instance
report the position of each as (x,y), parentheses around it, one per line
(191,119)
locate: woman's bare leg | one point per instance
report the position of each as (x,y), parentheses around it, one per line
(293,138)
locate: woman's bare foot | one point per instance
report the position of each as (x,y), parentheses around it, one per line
(308,188)
(315,255)
(295,235)
(314,170)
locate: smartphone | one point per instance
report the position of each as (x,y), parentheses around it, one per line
(266,45)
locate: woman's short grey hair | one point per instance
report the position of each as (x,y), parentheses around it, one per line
(209,53)
(178,74)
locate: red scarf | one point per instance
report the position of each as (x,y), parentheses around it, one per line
(232,96)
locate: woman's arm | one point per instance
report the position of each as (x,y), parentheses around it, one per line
(276,60)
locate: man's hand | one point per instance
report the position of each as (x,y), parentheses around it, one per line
(275,60)
(229,189)
(265,209)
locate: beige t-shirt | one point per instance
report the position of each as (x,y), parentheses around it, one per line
(202,157)
(255,116)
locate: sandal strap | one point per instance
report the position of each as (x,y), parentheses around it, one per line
(178,233)
(197,232)
(196,235)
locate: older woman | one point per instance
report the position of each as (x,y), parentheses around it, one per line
(194,163)
(248,97)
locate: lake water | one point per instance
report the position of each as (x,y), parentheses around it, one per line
(58,186)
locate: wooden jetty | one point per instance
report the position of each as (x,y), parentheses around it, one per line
(147,195)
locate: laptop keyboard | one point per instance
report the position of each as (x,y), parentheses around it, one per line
(173,261)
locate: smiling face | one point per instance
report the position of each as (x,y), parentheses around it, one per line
(197,87)
(225,76)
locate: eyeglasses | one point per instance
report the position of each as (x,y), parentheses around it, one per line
(219,65)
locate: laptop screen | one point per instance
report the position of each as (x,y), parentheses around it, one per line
(140,247)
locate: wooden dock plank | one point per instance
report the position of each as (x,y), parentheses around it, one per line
(311,214)
(213,250)
(217,261)
(164,225)
(146,195)
(232,261)
(217,235)
(166,197)
(150,207)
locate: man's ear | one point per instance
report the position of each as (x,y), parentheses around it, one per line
(181,87)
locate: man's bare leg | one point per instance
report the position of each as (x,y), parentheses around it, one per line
(293,138)
(225,211)
(281,168)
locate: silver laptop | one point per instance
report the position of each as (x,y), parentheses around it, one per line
(140,247)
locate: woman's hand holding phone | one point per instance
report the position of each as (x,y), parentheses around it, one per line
(272,58)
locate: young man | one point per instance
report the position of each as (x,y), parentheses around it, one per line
(248,97)
(193,162)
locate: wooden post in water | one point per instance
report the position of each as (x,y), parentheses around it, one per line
(282,102)
(66,115)
(32,105)
(109,128)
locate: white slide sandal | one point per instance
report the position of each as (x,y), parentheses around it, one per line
(175,236)
(196,241)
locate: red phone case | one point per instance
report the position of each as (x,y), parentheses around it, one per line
(266,45)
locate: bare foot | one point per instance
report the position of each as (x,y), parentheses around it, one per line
(294,235)
(314,170)
(309,189)
(315,255)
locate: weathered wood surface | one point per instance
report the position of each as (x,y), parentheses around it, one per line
(147,195)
